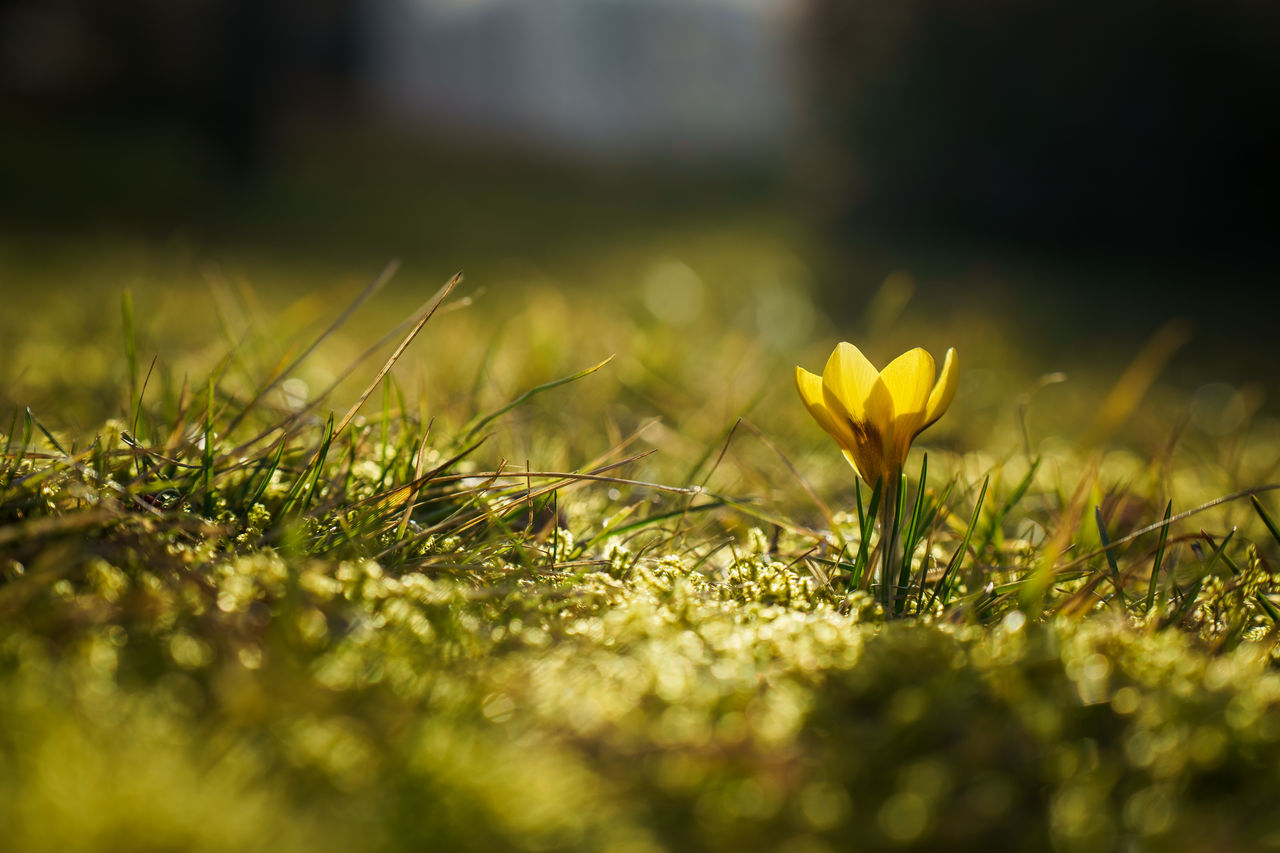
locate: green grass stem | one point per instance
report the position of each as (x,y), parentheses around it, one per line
(942,589)
(1154,582)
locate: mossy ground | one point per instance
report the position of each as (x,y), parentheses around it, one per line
(228,620)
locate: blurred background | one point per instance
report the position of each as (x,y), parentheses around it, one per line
(1063,178)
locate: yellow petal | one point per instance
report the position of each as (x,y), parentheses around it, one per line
(867,461)
(810,387)
(868,469)
(943,393)
(909,377)
(847,380)
(856,398)
(811,392)
(907,380)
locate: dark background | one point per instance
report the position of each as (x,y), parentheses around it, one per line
(1089,168)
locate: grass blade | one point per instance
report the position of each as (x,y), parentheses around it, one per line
(373,287)
(909,538)
(1273,613)
(1110,553)
(11,464)
(419,460)
(26,443)
(1017,495)
(943,586)
(1182,516)
(863,557)
(1159,558)
(1266,519)
(796,475)
(1218,551)
(206,466)
(395,356)
(651,520)
(53,441)
(533,392)
(890,517)
(857,502)
(268,473)
(318,465)
(1189,599)
(927,524)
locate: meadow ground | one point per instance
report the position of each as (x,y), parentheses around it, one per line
(574,569)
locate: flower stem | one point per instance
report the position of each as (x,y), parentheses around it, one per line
(889,546)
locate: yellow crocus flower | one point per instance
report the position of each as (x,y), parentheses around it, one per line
(875,414)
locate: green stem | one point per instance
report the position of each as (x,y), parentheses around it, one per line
(889,545)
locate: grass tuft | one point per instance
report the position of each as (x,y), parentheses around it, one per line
(608,615)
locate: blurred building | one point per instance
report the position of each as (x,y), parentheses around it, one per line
(671,78)
(666,78)
(1118,125)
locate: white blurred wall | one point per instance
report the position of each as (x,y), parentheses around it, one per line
(685,79)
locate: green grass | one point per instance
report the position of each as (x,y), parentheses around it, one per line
(536,566)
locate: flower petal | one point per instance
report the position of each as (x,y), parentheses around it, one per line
(943,393)
(864,458)
(868,470)
(907,380)
(847,380)
(867,461)
(858,400)
(810,387)
(909,377)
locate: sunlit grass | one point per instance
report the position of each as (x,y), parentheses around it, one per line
(526,597)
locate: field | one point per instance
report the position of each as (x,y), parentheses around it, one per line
(302,553)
